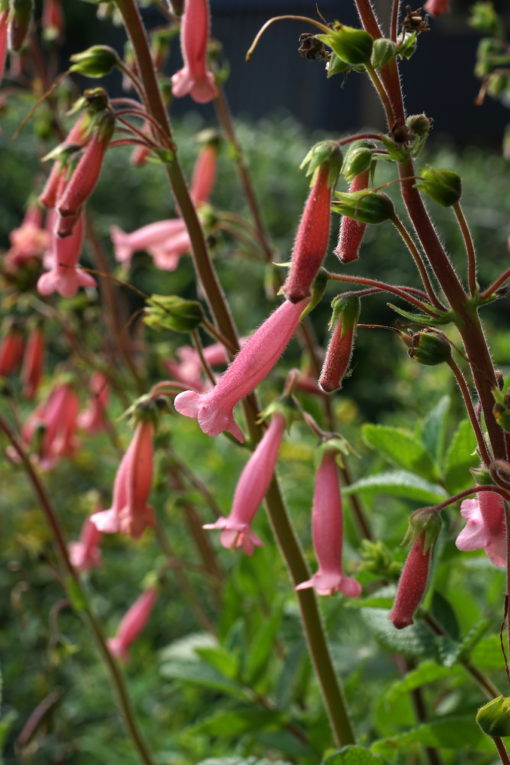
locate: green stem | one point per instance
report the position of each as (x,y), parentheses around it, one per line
(80,595)
(321,658)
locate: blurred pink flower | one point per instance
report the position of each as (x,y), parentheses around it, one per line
(485,528)
(93,419)
(214,409)
(251,490)
(29,240)
(132,623)
(437,7)
(11,349)
(64,277)
(51,428)
(194,78)
(32,369)
(86,554)
(147,237)
(327,533)
(3,42)
(204,174)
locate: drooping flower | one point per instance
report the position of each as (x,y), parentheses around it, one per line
(3,41)
(64,276)
(168,255)
(352,231)
(485,528)
(214,409)
(28,240)
(93,419)
(51,428)
(251,489)
(145,238)
(132,623)
(339,352)
(52,20)
(437,7)
(86,554)
(11,348)
(188,368)
(204,173)
(327,533)
(194,78)
(32,368)
(130,514)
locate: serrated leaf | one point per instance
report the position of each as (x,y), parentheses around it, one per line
(460,456)
(399,483)
(488,654)
(229,723)
(428,672)
(352,755)
(458,733)
(416,640)
(402,448)
(434,428)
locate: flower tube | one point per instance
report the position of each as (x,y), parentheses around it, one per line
(194,78)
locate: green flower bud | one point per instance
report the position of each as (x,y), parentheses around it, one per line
(96,100)
(358,158)
(429,348)
(494,717)
(408,47)
(348,309)
(443,186)
(324,153)
(485,20)
(335,65)
(173,312)
(18,22)
(383,52)
(97,61)
(364,206)
(354,46)
(419,124)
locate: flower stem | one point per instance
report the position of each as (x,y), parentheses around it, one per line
(470,248)
(480,440)
(420,265)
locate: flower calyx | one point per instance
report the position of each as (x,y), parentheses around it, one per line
(494,717)
(323,154)
(428,347)
(443,186)
(364,206)
(173,312)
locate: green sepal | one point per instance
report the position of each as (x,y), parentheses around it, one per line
(334,443)
(96,61)
(144,408)
(429,348)
(424,521)
(96,100)
(285,405)
(318,288)
(407,48)
(443,186)
(347,307)
(358,159)
(364,206)
(383,52)
(167,156)
(396,151)
(352,45)
(494,717)
(62,153)
(173,312)
(443,317)
(323,154)
(335,65)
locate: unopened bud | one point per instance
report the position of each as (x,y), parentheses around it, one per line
(364,206)
(383,52)
(97,61)
(419,124)
(443,186)
(173,312)
(323,154)
(429,348)
(20,16)
(494,717)
(357,159)
(354,46)
(338,356)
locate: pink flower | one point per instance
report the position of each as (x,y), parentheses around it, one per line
(93,419)
(194,78)
(251,489)
(145,238)
(130,514)
(55,182)
(339,353)
(52,20)
(64,277)
(311,239)
(352,231)
(29,240)
(437,7)
(132,623)
(485,528)
(252,364)
(11,349)
(204,174)
(327,533)
(3,42)
(32,369)
(412,583)
(52,426)
(168,255)
(188,369)
(86,554)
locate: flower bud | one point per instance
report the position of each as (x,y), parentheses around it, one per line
(354,46)
(173,312)
(364,206)
(383,52)
(494,717)
(443,186)
(429,348)
(419,124)
(338,356)
(357,159)
(335,65)
(97,61)
(20,16)
(323,154)
(485,19)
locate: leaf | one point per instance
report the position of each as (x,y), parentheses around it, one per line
(443,317)
(200,673)
(443,612)
(382,598)
(224,662)
(426,673)
(416,640)
(352,755)
(399,483)
(434,428)
(460,456)
(488,654)
(458,733)
(229,723)
(401,447)
(262,646)
(239,761)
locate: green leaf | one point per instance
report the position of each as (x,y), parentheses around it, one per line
(416,640)
(262,646)
(229,723)
(399,483)
(382,598)
(460,456)
(201,674)
(428,672)
(352,755)
(488,654)
(240,761)
(401,447)
(434,428)
(458,733)
(225,663)
(443,317)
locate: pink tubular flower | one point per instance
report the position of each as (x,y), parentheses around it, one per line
(92,419)
(327,533)
(3,42)
(311,239)
(485,528)
(11,350)
(52,20)
(339,353)
(64,277)
(437,7)
(251,365)
(132,623)
(352,231)
(52,426)
(145,238)
(251,489)
(412,583)
(32,369)
(29,240)
(194,78)
(130,514)
(204,174)
(168,255)
(86,554)
(55,182)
